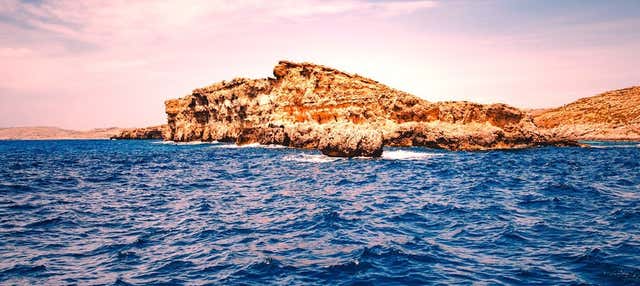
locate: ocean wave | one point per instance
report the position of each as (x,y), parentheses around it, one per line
(309,158)
(152,214)
(175,265)
(273,146)
(615,146)
(185,143)
(377,252)
(22,270)
(265,267)
(252,145)
(350,267)
(50,222)
(233,146)
(408,155)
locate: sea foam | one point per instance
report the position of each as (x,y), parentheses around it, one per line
(184,143)
(408,155)
(310,158)
(614,146)
(252,145)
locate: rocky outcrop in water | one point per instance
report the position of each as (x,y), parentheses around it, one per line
(312,106)
(351,142)
(153,132)
(613,115)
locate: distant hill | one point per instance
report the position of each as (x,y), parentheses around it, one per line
(613,115)
(15,133)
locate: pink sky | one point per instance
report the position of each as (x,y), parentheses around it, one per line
(84,64)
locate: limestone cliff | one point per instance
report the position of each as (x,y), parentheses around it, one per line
(613,115)
(305,103)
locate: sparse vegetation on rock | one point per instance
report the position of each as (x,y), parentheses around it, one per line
(613,115)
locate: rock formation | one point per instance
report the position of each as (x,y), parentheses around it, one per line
(351,142)
(613,115)
(153,132)
(312,106)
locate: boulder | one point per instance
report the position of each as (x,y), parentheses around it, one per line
(351,142)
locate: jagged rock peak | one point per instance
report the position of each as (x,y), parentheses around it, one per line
(285,67)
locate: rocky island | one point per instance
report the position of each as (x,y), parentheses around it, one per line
(312,106)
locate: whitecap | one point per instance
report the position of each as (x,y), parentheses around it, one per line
(273,146)
(163,142)
(185,143)
(252,145)
(614,146)
(310,158)
(233,146)
(407,155)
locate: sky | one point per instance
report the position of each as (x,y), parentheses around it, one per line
(82,64)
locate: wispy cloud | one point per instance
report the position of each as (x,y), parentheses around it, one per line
(103,63)
(94,55)
(99,21)
(14,52)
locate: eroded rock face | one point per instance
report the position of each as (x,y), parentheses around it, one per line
(312,106)
(613,115)
(153,132)
(350,141)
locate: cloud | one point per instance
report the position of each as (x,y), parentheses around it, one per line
(104,63)
(315,8)
(98,21)
(96,55)
(14,52)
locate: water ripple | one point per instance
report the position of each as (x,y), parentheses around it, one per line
(139,212)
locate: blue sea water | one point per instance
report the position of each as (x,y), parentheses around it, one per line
(98,212)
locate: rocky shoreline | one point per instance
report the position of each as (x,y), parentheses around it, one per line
(316,107)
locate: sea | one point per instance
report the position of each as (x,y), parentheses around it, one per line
(104,212)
